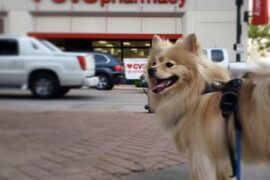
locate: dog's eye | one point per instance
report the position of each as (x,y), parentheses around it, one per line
(154,63)
(169,64)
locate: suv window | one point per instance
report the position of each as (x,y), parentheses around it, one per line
(34,45)
(100,59)
(8,47)
(217,55)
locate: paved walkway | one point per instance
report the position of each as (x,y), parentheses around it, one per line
(81,145)
(63,140)
(181,173)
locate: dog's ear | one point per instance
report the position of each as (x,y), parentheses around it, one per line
(156,42)
(191,43)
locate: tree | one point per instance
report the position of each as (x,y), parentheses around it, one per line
(260,38)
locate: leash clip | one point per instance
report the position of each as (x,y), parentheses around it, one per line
(229,99)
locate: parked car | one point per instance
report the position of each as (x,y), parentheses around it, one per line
(221,57)
(26,63)
(109,70)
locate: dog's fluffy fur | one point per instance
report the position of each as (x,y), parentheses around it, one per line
(178,75)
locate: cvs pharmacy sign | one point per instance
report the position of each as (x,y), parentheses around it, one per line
(134,67)
(179,3)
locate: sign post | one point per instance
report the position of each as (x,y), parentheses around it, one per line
(239,4)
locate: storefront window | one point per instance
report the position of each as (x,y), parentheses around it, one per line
(110,47)
(105,43)
(136,43)
(116,52)
(123,49)
(136,49)
(120,49)
(136,52)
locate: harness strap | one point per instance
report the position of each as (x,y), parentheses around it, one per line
(238,132)
(229,106)
(213,87)
(230,150)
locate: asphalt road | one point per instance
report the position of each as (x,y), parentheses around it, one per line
(121,98)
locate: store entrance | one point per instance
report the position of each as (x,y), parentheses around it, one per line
(118,48)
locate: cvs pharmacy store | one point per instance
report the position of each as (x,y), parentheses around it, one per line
(123,28)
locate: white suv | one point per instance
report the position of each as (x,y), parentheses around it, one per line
(25,62)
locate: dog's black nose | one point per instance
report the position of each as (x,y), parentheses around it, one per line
(152,71)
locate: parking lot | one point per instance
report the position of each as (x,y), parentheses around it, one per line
(87,134)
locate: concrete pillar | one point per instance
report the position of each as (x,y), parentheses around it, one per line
(19,22)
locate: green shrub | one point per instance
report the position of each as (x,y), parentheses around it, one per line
(138,83)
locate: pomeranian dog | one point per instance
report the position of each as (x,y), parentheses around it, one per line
(178,75)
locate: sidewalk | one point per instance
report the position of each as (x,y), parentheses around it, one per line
(81,145)
(181,173)
(126,86)
(89,145)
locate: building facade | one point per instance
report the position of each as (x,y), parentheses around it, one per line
(123,28)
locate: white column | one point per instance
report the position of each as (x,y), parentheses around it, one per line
(19,22)
(189,22)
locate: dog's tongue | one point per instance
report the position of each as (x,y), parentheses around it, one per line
(159,87)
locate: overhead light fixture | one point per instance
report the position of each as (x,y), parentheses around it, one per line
(109,45)
(126,43)
(147,44)
(102,42)
(134,49)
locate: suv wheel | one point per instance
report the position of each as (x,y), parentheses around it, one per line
(44,86)
(104,82)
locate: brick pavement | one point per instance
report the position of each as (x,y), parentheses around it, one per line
(81,145)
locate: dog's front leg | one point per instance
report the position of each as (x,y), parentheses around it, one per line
(201,167)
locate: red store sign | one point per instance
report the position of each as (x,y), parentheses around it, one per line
(102,3)
(260,12)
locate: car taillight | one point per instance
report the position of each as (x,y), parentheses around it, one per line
(118,68)
(82,62)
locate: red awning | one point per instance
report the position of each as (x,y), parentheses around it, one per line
(100,36)
(260,12)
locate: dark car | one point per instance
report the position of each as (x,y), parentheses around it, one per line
(109,70)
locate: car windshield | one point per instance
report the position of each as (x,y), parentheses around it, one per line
(51,46)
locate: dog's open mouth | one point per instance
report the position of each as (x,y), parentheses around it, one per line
(162,84)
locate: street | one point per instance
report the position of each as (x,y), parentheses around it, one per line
(122,98)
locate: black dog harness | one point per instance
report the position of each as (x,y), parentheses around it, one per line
(229,105)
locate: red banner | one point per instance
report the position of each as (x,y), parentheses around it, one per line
(260,12)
